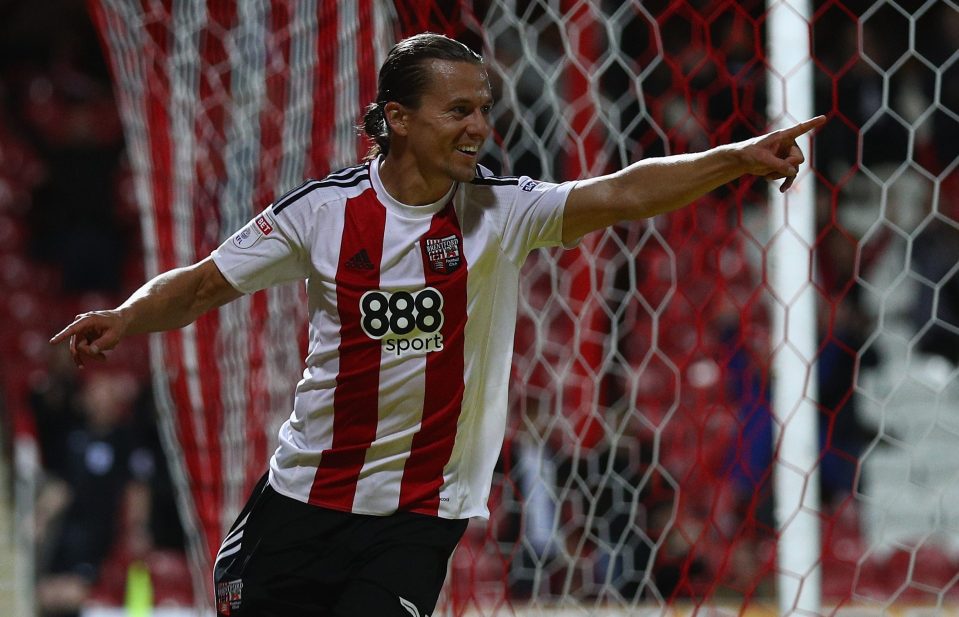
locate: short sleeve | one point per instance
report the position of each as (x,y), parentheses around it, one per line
(534,216)
(266,251)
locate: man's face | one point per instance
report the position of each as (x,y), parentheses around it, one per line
(451,124)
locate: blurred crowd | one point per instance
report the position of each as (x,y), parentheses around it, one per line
(69,241)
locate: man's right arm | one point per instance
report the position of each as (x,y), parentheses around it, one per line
(170,300)
(657,185)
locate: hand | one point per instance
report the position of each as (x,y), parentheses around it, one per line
(776,155)
(92,335)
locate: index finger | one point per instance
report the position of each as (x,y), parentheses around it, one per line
(804,127)
(66,332)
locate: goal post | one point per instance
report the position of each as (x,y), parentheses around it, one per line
(682,388)
(792,232)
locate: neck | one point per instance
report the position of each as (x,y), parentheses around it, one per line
(406,183)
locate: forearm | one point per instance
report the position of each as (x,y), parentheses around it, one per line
(647,188)
(657,185)
(169,301)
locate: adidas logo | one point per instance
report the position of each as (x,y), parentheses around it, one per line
(410,607)
(360,261)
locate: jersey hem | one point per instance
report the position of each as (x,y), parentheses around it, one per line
(483,514)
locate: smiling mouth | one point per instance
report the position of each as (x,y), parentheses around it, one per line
(468,150)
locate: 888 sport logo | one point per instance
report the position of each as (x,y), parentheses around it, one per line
(406,321)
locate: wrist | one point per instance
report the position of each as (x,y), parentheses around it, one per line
(124,320)
(734,158)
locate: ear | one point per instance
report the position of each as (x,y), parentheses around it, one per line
(396,117)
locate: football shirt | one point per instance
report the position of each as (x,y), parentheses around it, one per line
(403,400)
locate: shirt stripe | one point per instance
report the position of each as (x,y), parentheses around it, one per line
(355,397)
(443,401)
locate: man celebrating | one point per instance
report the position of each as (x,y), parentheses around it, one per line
(411,261)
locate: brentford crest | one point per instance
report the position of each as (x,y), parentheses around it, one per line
(443,254)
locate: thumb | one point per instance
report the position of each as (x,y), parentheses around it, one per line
(107,340)
(97,347)
(772,165)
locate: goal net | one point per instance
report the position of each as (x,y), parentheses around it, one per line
(641,458)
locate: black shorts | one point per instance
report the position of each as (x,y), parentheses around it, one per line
(284,557)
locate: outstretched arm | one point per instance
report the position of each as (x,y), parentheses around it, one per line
(170,300)
(656,185)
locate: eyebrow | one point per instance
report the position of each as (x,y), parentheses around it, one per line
(468,101)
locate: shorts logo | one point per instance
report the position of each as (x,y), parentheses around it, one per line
(410,607)
(443,254)
(228,597)
(405,321)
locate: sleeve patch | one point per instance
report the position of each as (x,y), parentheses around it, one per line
(248,236)
(252,232)
(264,225)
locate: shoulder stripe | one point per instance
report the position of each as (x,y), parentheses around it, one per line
(345,178)
(345,182)
(346,171)
(485,177)
(496,181)
(293,195)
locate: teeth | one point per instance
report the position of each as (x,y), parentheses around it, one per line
(469,149)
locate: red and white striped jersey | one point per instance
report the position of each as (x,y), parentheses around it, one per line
(403,401)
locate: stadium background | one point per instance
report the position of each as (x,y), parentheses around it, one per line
(657,445)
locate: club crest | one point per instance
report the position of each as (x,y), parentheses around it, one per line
(443,254)
(229,595)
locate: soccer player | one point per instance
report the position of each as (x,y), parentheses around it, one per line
(411,261)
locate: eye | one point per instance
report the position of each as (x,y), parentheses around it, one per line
(459,110)
(486,109)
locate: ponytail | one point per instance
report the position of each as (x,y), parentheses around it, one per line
(374,125)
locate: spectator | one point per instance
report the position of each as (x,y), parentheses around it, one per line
(80,506)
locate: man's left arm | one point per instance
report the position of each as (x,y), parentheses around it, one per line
(657,185)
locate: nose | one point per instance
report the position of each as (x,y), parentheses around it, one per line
(479,125)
